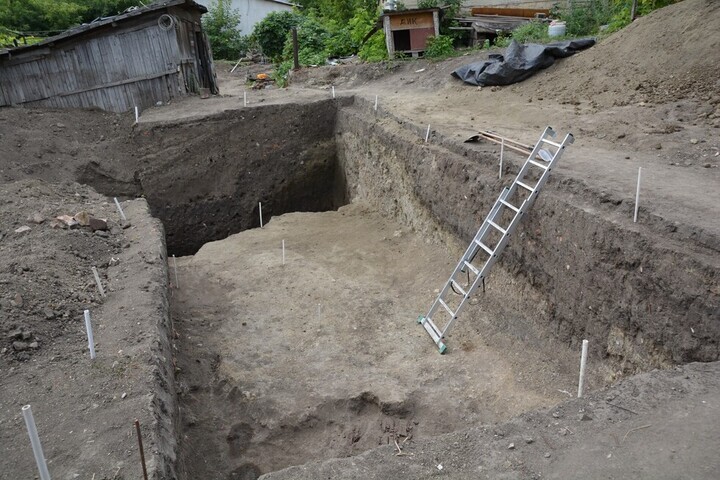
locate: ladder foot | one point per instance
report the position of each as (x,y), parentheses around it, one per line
(442,348)
(420,319)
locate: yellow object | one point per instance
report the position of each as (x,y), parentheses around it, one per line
(262,76)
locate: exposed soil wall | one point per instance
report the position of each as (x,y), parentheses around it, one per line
(204,178)
(641,297)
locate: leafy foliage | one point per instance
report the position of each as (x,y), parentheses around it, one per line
(220,25)
(272,31)
(47,17)
(439,47)
(532,31)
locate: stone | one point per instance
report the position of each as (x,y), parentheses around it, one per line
(67,220)
(49,314)
(511,446)
(15,334)
(34,345)
(98,224)
(123,395)
(694,141)
(83,218)
(547,455)
(17,301)
(23,229)
(102,233)
(20,346)
(36,218)
(584,417)
(529,440)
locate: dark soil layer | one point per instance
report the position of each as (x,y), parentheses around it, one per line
(205,178)
(642,295)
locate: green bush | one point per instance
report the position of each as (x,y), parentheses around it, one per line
(272,31)
(221,26)
(439,47)
(375,49)
(533,31)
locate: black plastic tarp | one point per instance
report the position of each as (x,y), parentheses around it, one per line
(519,62)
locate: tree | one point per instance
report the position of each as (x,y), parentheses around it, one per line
(221,26)
(272,31)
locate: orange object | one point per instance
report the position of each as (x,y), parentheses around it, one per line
(262,76)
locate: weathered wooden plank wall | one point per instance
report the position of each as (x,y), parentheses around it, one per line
(116,69)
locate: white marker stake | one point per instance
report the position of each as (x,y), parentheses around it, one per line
(35,441)
(376,101)
(583,361)
(245,98)
(176,277)
(260,209)
(91,340)
(122,214)
(97,281)
(502,151)
(333,90)
(137,115)
(283,248)
(427,134)
(637,195)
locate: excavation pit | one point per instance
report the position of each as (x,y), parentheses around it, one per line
(322,357)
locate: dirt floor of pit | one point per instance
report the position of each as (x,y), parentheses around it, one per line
(322,357)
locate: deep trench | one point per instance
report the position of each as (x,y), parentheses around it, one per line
(204,179)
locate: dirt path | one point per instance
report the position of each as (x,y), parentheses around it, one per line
(321,357)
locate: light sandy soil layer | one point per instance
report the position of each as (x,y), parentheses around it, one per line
(322,356)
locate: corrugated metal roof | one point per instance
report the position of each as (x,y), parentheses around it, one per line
(87,27)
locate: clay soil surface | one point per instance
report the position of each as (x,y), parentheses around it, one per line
(322,357)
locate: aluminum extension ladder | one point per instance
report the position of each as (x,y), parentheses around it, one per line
(494,234)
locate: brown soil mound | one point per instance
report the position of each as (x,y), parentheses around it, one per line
(668,55)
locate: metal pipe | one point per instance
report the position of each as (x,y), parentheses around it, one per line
(35,441)
(91,340)
(583,362)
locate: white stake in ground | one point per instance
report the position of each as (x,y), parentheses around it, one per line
(137,115)
(637,195)
(283,250)
(175,267)
(97,282)
(427,134)
(502,151)
(260,210)
(376,101)
(88,329)
(245,98)
(583,361)
(333,91)
(122,214)
(35,441)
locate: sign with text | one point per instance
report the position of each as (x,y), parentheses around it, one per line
(411,21)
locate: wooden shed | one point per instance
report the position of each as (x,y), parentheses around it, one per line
(407,31)
(143,56)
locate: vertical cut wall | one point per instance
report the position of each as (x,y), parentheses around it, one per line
(634,294)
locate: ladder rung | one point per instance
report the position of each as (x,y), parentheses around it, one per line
(510,206)
(472,268)
(458,287)
(497,226)
(484,247)
(538,164)
(524,186)
(452,314)
(550,142)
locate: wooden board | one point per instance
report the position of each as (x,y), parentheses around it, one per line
(410,21)
(510,12)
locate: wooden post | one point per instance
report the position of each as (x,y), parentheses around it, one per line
(296,61)
(633,10)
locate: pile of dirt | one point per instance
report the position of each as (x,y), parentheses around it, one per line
(46,279)
(668,55)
